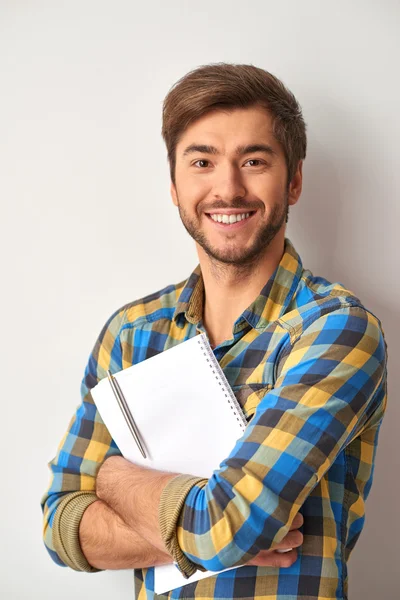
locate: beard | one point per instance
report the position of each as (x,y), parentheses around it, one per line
(233,255)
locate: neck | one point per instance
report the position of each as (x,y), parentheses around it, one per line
(230,289)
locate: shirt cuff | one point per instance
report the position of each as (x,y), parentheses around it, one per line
(171,504)
(65,530)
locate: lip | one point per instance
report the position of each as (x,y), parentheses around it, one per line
(231,226)
(230,211)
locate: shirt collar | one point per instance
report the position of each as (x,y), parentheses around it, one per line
(269,306)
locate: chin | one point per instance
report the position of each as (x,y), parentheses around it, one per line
(233,256)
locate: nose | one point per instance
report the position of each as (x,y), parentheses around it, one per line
(228,184)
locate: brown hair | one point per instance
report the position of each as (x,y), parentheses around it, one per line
(225,85)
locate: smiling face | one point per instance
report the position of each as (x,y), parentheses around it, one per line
(231,184)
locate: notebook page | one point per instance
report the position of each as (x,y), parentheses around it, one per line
(167,578)
(185,421)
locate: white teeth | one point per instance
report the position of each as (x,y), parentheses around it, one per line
(229,218)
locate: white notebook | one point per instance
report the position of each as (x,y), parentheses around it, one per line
(188,419)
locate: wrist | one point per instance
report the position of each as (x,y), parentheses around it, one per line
(134,492)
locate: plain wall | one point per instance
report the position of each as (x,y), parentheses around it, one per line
(87,223)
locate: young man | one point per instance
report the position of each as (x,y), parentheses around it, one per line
(306,360)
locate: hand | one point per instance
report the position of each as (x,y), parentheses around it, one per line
(271,558)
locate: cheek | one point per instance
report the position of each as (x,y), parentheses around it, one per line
(183,180)
(193,190)
(270,189)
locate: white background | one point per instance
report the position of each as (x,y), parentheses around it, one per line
(87,223)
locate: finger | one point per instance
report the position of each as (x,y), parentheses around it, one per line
(284,560)
(297,521)
(274,559)
(293,539)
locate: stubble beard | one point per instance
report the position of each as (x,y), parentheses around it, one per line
(242,258)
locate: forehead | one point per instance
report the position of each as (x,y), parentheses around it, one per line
(225,128)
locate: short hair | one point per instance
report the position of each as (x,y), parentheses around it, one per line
(229,86)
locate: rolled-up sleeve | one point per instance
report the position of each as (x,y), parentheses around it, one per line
(82,450)
(327,380)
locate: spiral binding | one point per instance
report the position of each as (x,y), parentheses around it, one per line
(222,380)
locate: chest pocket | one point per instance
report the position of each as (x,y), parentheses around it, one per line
(249,396)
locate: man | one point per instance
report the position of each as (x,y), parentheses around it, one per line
(305,359)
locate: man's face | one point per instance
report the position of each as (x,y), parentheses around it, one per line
(231,184)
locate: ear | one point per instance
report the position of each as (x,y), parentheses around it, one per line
(296,184)
(174,195)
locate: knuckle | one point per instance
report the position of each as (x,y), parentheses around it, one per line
(276,561)
(296,538)
(293,538)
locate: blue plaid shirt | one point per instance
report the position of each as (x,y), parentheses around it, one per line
(307,363)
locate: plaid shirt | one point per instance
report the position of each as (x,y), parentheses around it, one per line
(307,363)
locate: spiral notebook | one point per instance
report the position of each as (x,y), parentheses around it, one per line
(187,416)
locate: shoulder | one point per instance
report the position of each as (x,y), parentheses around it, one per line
(326,321)
(319,303)
(157,305)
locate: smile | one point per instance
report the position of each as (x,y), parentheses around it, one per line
(227,220)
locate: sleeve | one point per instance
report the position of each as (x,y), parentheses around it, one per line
(84,447)
(326,380)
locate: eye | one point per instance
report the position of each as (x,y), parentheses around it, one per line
(255,160)
(202,160)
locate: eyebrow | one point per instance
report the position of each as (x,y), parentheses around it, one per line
(240,150)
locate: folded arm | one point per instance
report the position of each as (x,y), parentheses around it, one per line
(326,385)
(324,391)
(80,531)
(107,542)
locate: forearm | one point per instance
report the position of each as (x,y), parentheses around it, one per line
(133,492)
(108,543)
